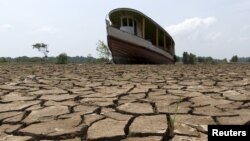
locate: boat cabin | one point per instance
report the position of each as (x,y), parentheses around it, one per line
(129,24)
(138,24)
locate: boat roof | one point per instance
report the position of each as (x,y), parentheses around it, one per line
(133,11)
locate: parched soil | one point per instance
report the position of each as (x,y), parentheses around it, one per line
(121,102)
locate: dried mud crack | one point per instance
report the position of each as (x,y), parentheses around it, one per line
(120,102)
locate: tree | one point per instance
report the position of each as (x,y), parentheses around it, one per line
(62,58)
(234,58)
(192,59)
(43,48)
(189,58)
(3,60)
(185,58)
(103,50)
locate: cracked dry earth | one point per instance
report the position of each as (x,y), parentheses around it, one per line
(120,102)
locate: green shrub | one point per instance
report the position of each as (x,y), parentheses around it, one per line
(62,58)
(209,60)
(3,60)
(224,60)
(201,59)
(234,59)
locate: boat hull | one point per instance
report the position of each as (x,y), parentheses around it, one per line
(124,52)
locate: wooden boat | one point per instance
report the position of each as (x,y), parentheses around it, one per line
(134,38)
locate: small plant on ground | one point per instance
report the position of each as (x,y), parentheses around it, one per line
(172,119)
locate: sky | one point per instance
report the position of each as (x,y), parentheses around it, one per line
(216,28)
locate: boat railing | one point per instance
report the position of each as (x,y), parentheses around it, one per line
(108,24)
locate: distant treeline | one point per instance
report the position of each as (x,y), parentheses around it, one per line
(189,58)
(76,59)
(244,59)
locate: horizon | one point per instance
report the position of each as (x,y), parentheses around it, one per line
(75,27)
(98,57)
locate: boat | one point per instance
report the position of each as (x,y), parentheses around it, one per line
(134,38)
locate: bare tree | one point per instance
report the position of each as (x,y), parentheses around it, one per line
(43,48)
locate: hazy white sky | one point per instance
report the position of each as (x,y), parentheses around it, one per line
(217,28)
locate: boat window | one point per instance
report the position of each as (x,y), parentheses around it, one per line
(124,22)
(135,27)
(130,21)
